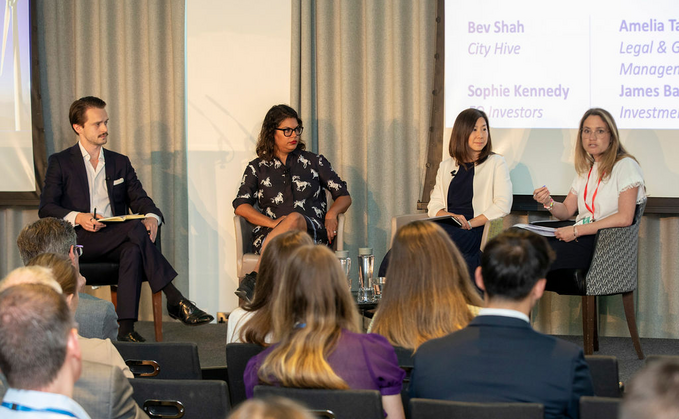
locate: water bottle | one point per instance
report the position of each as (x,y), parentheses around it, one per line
(345,263)
(366,262)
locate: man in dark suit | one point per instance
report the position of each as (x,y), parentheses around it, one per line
(498,357)
(87,182)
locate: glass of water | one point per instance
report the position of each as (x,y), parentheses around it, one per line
(377,285)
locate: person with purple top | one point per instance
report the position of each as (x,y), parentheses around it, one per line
(316,327)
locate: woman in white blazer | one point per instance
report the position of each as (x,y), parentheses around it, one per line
(472,185)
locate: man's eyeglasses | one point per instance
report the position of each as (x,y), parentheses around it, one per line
(78,249)
(288,131)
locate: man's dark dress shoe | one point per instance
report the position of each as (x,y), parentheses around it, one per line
(246,289)
(188,313)
(132,336)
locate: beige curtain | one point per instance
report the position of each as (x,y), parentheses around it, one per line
(362,76)
(131,54)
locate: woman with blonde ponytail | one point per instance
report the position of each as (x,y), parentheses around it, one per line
(316,327)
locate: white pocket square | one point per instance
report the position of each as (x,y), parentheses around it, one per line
(118,181)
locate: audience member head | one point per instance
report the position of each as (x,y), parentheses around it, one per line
(77,114)
(48,235)
(615,150)
(514,265)
(273,260)
(38,340)
(270,408)
(35,275)
(464,126)
(312,307)
(266,142)
(427,290)
(64,273)
(654,392)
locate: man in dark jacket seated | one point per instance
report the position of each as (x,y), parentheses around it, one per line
(498,357)
(87,182)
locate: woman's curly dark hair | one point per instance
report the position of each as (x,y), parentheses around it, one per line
(266,142)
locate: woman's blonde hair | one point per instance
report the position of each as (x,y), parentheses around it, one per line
(274,259)
(614,153)
(270,408)
(62,269)
(312,307)
(427,290)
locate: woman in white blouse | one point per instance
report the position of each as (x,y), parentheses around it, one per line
(604,194)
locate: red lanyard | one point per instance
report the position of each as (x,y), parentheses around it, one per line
(594,195)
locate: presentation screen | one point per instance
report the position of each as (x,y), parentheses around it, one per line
(17,172)
(535,67)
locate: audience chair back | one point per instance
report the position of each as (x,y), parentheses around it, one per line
(167,361)
(599,407)
(343,404)
(237,357)
(613,271)
(187,399)
(604,370)
(105,273)
(406,362)
(405,357)
(427,409)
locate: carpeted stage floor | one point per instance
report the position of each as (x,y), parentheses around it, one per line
(211,342)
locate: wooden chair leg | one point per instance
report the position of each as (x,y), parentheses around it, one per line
(588,323)
(628,304)
(595,318)
(157,298)
(114,297)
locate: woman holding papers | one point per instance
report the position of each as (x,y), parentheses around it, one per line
(604,194)
(472,185)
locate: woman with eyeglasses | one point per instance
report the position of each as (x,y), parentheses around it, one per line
(287,184)
(608,186)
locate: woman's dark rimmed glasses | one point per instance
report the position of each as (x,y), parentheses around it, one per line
(288,131)
(78,249)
